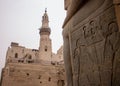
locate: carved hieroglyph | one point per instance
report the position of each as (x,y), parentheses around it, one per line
(92,45)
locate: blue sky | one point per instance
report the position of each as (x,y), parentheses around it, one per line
(20,20)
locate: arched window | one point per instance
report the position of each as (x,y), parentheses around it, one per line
(49,79)
(16,55)
(46,48)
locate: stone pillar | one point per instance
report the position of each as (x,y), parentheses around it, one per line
(67,59)
(92,42)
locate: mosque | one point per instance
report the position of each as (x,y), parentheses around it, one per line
(34,67)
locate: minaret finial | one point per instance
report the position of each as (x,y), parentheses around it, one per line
(45,10)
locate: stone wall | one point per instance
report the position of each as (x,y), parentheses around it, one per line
(20,54)
(92,43)
(24,68)
(58,57)
(32,75)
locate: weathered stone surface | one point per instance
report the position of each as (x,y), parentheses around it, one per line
(92,43)
(32,75)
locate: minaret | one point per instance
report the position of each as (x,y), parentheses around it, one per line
(45,48)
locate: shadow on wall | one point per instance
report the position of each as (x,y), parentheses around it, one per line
(1,74)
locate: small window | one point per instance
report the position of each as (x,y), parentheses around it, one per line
(16,55)
(39,77)
(22,61)
(27,74)
(19,61)
(46,48)
(53,63)
(49,79)
(30,61)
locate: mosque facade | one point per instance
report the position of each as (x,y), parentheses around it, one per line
(34,67)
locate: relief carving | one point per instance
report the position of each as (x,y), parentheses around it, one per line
(85,65)
(87,53)
(95,47)
(91,33)
(112,45)
(76,63)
